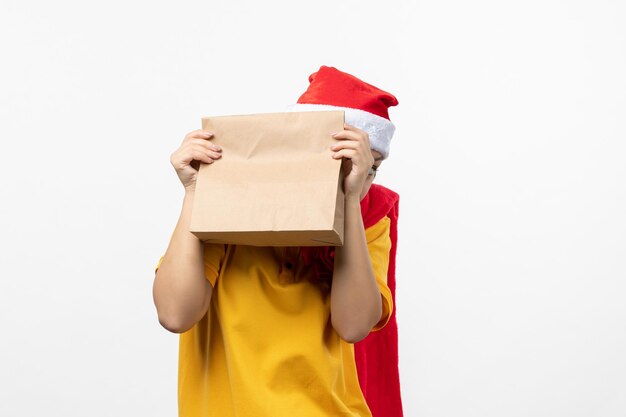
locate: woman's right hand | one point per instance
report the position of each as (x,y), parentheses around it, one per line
(194,149)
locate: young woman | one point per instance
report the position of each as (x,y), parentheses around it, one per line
(269,331)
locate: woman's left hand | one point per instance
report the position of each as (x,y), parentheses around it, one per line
(354,147)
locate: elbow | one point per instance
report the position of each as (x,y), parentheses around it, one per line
(353,332)
(174,324)
(179,313)
(353,335)
(172,319)
(355,328)
(178,320)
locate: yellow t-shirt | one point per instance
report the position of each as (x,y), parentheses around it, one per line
(266,347)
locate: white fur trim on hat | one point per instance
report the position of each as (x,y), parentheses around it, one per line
(379,129)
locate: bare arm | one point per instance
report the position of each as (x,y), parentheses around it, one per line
(355,300)
(356,303)
(181,291)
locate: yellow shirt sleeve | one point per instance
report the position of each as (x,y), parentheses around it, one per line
(379,245)
(213,259)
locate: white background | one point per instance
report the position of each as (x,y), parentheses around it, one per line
(509,157)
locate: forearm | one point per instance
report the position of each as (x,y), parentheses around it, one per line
(181,291)
(356,304)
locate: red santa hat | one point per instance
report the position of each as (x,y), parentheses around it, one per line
(365,106)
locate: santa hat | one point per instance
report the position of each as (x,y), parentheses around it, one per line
(365,106)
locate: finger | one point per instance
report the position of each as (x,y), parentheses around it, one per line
(347,134)
(353,128)
(205,143)
(357,157)
(203,156)
(179,161)
(195,152)
(200,133)
(211,153)
(359,147)
(345,153)
(346,144)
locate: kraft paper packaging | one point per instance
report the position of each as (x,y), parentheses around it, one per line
(276,183)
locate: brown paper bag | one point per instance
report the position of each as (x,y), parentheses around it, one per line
(276,183)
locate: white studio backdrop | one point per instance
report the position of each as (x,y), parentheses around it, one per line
(509,158)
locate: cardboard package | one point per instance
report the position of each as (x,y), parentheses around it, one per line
(276,183)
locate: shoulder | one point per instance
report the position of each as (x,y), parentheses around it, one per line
(380,193)
(379,202)
(379,232)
